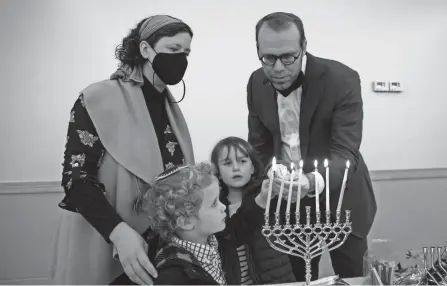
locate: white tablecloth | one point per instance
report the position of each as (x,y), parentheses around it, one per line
(351,281)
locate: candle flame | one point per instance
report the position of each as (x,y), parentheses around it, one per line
(292,166)
(301,164)
(316,164)
(326,163)
(348,164)
(274,164)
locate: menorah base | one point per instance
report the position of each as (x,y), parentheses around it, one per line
(307,241)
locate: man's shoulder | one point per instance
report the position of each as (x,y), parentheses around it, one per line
(257,76)
(335,68)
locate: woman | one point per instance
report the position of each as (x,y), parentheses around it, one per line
(122,133)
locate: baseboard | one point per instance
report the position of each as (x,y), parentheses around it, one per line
(408,174)
(16,188)
(27,281)
(20,188)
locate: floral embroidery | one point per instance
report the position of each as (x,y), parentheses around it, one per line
(87,138)
(168,130)
(169,165)
(69,183)
(72,116)
(171,147)
(77,160)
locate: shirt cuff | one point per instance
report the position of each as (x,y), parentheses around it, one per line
(318,182)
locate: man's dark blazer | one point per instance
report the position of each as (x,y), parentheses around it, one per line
(330,126)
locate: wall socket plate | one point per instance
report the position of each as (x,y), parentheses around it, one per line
(380,86)
(395,86)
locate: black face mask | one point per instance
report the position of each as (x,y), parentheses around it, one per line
(170,68)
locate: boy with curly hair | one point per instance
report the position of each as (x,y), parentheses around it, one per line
(184,208)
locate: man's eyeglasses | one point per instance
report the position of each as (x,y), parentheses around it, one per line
(286,59)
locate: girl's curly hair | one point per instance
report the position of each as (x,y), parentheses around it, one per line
(177,195)
(128,52)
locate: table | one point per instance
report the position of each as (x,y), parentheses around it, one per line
(351,281)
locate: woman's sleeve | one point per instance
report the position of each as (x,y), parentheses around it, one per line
(82,158)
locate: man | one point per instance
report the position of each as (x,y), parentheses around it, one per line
(302,107)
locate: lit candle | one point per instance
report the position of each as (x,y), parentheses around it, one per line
(317,195)
(281,191)
(269,194)
(343,186)
(298,195)
(289,198)
(326,165)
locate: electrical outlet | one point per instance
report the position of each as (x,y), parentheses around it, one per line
(395,86)
(380,86)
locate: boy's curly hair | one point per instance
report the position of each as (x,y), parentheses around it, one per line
(174,196)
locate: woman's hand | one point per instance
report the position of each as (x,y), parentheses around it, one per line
(132,253)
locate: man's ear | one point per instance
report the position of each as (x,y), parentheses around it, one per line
(185,223)
(304,47)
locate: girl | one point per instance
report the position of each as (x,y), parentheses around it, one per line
(240,178)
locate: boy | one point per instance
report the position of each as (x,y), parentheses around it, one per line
(185,211)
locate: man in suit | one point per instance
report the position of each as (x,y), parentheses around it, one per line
(302,107)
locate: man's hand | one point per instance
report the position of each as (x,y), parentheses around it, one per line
(261,198)
(304,182)
(132,253)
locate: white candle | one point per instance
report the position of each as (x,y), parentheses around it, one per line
(326,165)
(317,195)
(289,198)
(281,190)
(269,194)
(298,195)
(343,186)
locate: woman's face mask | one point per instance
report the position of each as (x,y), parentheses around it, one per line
(170,68)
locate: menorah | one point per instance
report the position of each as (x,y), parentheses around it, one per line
(436,274)
(306,240)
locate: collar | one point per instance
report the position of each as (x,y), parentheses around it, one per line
(205,253)
(304,64)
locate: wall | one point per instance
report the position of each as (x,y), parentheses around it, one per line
(52,49)
(409,216)
(28,220)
